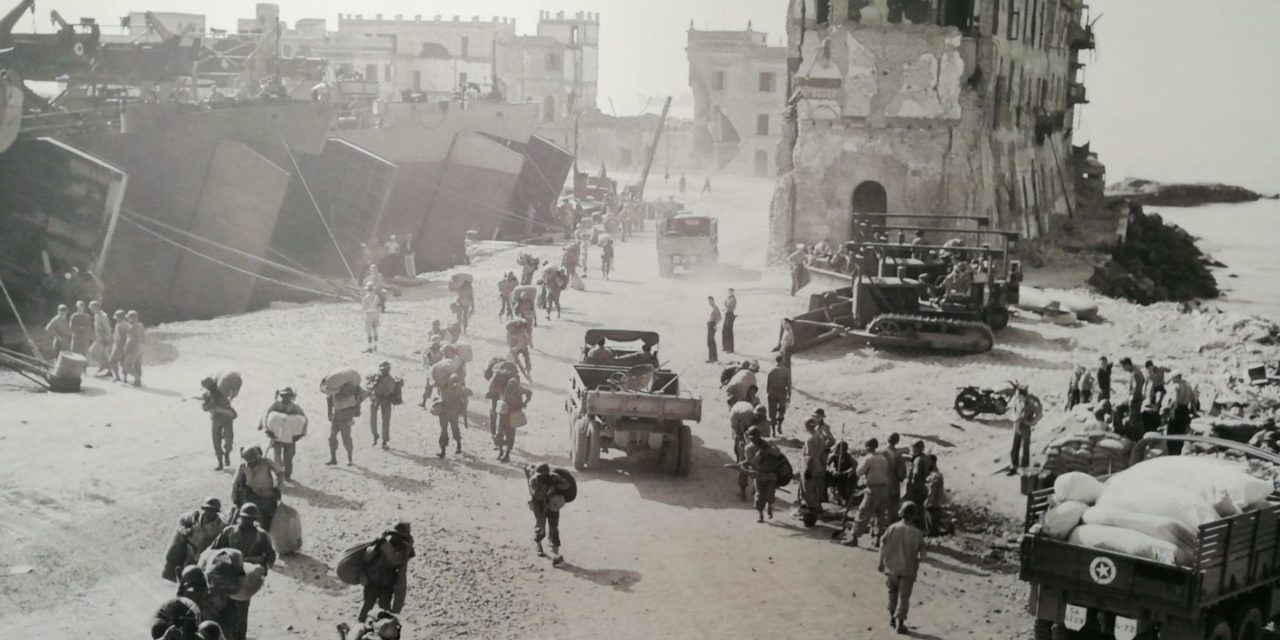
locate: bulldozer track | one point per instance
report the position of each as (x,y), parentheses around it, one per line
(983,339)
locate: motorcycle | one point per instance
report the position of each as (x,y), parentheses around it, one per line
(973,401)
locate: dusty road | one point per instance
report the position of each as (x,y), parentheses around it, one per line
(91,484)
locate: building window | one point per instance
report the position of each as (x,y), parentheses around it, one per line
(1035,21)
(995,17)
(387,74)
(304,50)
(465,47)
(573,35)
(371,73)
(462,80)
(824,11)
(717,81)
(288,51)
(417,81)
(766,82)
(762,124)
(554,62)
(1011,21)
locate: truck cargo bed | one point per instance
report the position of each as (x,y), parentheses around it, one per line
(1234,555)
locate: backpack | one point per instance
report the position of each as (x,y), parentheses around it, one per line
(727,373)
(571,490)
(782,469)
(351,565)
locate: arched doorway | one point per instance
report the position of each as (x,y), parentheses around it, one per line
(549,109)
(762,163)
(868,198)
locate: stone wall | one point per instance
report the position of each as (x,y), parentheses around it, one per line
(956,114)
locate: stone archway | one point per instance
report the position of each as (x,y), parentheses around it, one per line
(869,197)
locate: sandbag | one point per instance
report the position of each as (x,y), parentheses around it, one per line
(576,283)
(1158,527)
(1155,498)
(571,490)
(285,427)
(442,371)
(255,575)
(229,383)
(1126,541)
(351,565)
(457,280)
(1220,482)
(1058,522)
(331,384)
(465,352)
(1078,487)
(286,530)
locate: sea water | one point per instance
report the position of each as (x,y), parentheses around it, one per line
(1246,238)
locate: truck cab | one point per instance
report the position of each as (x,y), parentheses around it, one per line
(687,240)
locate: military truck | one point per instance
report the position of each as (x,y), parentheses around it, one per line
(1229,592)
(620,398)
(687,240)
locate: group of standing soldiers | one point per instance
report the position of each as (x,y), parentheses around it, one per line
(88,331)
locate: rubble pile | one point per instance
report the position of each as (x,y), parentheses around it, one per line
(1156,262)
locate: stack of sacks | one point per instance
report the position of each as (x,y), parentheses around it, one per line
(1153,510)
(1093,452)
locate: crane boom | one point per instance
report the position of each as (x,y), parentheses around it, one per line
(653,149)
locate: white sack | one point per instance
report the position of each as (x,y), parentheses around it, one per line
(1126,541)
(1222,483)
(1077,486)
(1158,527)
(1058,522)
(1155,498)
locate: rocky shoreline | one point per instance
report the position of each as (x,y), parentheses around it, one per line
(1156,262)
(1151,193)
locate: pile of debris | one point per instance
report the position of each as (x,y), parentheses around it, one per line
(1157,262)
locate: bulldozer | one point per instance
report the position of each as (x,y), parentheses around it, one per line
(885,312)
(891,295)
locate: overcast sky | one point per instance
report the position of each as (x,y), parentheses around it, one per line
(1180,90)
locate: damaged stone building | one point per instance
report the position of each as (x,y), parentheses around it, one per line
(739,90)
(928,106)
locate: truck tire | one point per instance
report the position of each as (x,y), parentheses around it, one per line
(1217,629)
(666,267)
(593,446)
(1044,630)
(684,459)
(580,452)
(1248,622)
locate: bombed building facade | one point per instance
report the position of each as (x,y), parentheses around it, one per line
(928,106)
(739,90)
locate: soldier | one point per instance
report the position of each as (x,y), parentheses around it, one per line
(284,446)
(546,498)
(873,471)
(386,570)
(712,320)
(814,461)
(453,406)
(918,475)
(761,461)
(383,390)
(255,546)
(742,416)
(222,418)
(133,344)
(343,408)
(119,338)
(897,473)
(730,315)
(257,482)
(371,306)
(778,392)
(100,350)
(59,330)
(194,533)
(506,287)
(511,416)
(498,372)
(518,343)
(901,550)
(81,323)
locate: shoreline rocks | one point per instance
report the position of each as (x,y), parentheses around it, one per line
(1151,193)
(1156,262)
